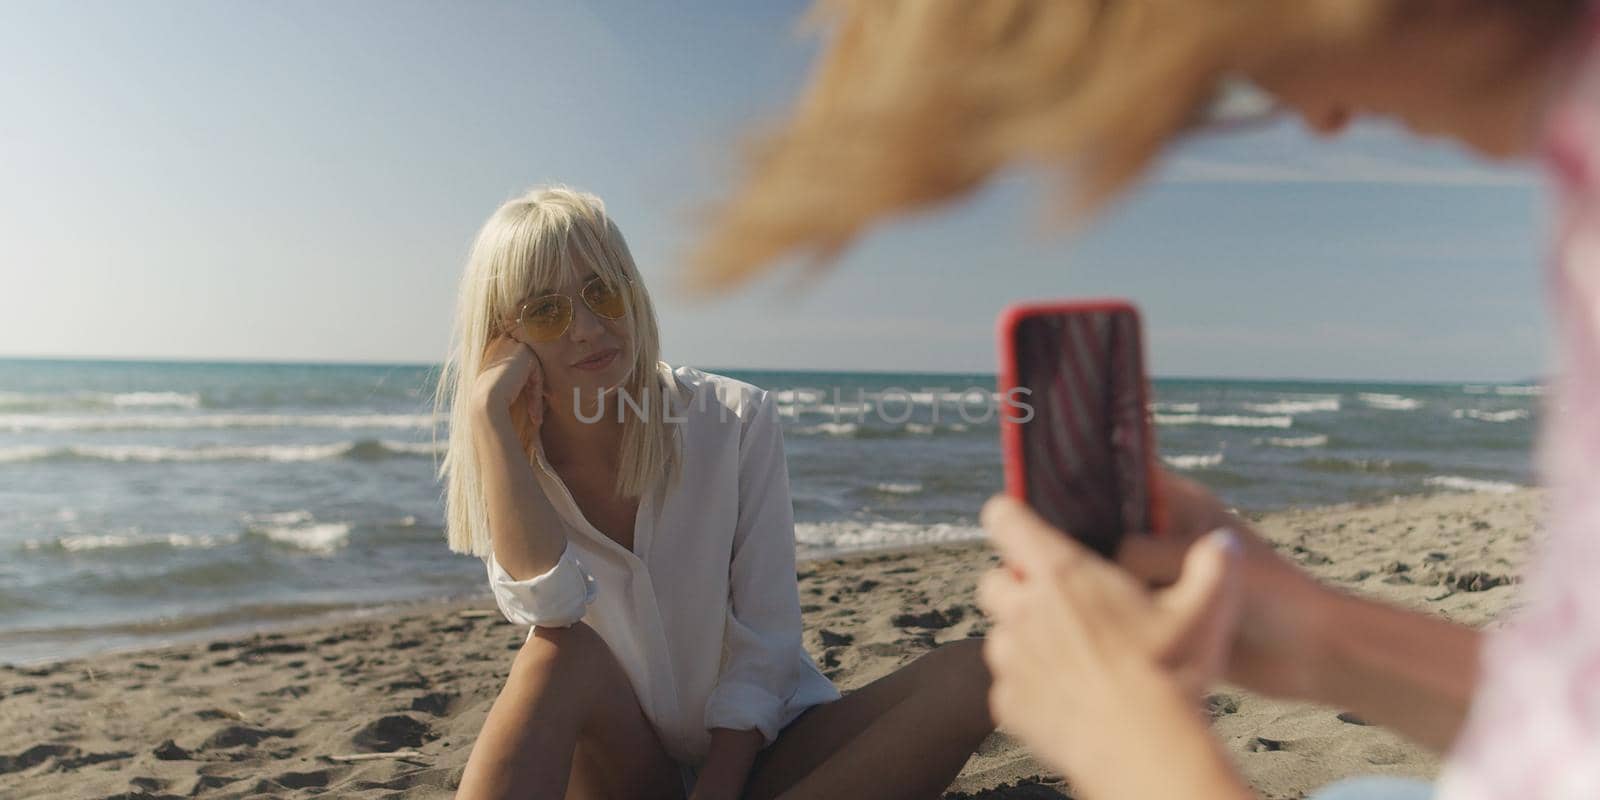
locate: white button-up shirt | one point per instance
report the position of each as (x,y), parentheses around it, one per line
(704,613)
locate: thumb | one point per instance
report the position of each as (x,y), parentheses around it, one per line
(1207,590)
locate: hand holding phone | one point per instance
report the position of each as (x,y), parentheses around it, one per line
(1076,431)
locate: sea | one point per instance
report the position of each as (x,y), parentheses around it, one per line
(144,503)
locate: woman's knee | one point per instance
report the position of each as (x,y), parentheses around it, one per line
(963,663)
(564,655)
(956,671)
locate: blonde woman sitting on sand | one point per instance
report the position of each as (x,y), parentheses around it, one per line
(637,518)
(918,102)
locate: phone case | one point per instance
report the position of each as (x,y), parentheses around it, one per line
(1011,429)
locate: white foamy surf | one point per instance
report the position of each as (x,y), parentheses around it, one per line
(1319,440)
(1225,420)
(119,422)
(1389,402)
(849,535)
(1461,484)
(1509,415)
(1306,406)
(1193,461)
(299,530)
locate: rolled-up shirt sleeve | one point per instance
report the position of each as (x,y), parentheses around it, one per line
(762,643)
(556,599)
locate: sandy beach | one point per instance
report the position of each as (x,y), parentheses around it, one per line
(390,703)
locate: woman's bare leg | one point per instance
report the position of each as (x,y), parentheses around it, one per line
(567,724)
(905,735)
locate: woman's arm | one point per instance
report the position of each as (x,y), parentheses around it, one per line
(1147,719)
(526,533)
(1412,672)
(1298,639)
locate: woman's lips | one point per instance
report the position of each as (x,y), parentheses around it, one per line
(599,360)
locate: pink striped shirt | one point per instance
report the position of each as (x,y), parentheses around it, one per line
(1534,729)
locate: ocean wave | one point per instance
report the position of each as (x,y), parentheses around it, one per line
(852,430)
(793,396)
(88,542)
(899,398)
(1389,402)
(816,401)
(17,423)
(360,450)
(1381,465)
(295,529)
(1460,484)
(1509,415)
(175,579)
(890,487)
(323,538)
(251,614)
(1307,406)
(1225,421)
(826,429)
(1193,461)
(840,410)
(26,453)
(295,517)
(47,401)
(156,400)
(1175,408)
(299,530)
(864,535)
(1319,440)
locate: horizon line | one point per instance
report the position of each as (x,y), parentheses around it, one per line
(725,368)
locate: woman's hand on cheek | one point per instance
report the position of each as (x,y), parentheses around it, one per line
(529,407)
(1076,640)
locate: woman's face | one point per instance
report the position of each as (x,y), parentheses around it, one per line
(1474,81)
(592,355)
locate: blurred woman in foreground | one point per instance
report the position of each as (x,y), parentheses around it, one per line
(916,103)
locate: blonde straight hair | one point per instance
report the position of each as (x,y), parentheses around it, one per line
(527,246)
(916,102)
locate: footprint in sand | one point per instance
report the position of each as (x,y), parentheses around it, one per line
(294,780)
(65,756)
(832,639)
(1221,705)
(934,619)
(436,703)
(1262,744)
(393,732)
(242,736)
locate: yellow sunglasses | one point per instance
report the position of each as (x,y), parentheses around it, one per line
(546,318)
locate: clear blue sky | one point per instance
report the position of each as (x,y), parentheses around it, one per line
(300,181)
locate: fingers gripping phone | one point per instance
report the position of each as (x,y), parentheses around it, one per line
(1075,427)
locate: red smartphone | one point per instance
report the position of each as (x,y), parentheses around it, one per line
(1074,422)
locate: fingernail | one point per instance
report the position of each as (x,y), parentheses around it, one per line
(1228,540)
